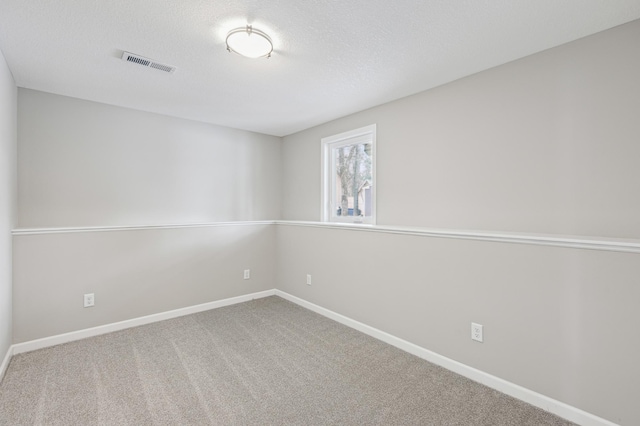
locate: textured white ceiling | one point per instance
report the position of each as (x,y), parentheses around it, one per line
(331,57)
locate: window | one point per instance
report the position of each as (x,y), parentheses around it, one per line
(348,176)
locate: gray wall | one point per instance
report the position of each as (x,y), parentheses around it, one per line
(559,321)
(133,274)
(547,144)
(81,164)
(8,99)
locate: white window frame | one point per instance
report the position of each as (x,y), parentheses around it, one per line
(365,134)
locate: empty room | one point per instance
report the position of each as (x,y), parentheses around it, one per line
(319,212)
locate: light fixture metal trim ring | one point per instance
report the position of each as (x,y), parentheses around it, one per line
(250,30)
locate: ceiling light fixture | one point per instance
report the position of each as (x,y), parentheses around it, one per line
(250,42)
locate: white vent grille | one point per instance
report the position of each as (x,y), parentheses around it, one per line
(146,62)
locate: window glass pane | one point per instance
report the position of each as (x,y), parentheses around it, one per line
(348,176)
(353,183)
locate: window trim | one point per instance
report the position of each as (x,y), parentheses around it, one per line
(328,181)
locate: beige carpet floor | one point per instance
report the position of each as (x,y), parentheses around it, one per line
(264,362)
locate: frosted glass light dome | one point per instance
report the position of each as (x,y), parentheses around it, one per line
(249,42)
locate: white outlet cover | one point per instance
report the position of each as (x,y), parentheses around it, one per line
(89,300)
(308,279)
(247,274)
(476,332)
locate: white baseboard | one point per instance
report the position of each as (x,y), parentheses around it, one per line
(536,399)
(116,326)
(551,405)
(5,362)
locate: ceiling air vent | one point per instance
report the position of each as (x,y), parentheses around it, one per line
(146,62)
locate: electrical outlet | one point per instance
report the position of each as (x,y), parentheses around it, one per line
(89,300)
(476,332)
(247,274)
(308,279)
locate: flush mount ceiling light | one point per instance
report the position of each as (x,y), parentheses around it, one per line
(250,42)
